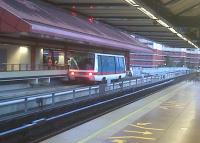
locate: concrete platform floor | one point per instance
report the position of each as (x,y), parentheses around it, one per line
(168,116)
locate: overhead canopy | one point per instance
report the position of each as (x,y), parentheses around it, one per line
(183,14)
(123,15)
(41,18)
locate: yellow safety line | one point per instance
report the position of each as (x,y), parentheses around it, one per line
(155,129)
(132,137)
(144,133)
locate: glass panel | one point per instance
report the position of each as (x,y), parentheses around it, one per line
(53,56)
(108,64)
(117,64)
(82,61)
(121,64)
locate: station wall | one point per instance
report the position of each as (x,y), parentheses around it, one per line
(16,54)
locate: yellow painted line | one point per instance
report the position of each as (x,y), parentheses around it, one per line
(172,106)
(171,102)
(132,137)
(118,141)
(165,108)
(85,140)
(140,127)
(143,124)
(144,133)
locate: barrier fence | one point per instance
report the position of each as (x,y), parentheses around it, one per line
(26,104)
(29,67)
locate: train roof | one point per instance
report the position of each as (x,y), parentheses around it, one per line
(46,20)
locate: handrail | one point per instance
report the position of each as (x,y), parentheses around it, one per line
(42,100)
(4,67)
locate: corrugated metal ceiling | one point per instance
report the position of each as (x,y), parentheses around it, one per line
(120,14)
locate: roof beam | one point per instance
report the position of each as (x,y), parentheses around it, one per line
(86,4)
(120,17)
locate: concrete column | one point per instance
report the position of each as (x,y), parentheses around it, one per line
(33,57)
(127,55)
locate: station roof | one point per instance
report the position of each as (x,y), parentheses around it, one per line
(171,22)
(41,18)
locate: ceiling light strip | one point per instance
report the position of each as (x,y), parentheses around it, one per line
(164,24)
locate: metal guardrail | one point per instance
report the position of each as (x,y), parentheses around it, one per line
(29,67)
(26,104)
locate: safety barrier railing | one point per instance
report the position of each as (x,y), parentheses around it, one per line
(22,105)
(29,67)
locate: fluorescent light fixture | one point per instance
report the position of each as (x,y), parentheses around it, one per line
(181,36)
(190,42)
(162,23)
(23,49)
(131,2)
(147,13)
(173,30)
(184,38)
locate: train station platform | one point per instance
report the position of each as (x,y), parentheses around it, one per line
(168,116)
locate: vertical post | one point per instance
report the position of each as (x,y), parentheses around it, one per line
(136,81)
(12,67)
(90,91)
(122,85)
(33,58)
(20,67)
(53,98)
(74,94)
(26,67)
(26,104)
(113,86)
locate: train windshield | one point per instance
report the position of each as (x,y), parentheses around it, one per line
(82,61)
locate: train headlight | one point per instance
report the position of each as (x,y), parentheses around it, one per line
(90,74)
(72,73)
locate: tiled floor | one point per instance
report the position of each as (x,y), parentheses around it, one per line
(169,116)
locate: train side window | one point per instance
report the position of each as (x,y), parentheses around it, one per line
(117,65)
(121,64)
(108,64)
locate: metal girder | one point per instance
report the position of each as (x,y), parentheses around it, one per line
(86,4)
(162,37)
(157,32)
(119,13)
(120,17)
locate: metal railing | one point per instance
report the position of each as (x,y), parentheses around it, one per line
(29,67)
(22,105)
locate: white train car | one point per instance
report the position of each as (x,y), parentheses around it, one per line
(97,67)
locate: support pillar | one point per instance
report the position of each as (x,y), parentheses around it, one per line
(33,58)
(127,55)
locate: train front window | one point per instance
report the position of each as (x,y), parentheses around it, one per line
(82,61)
